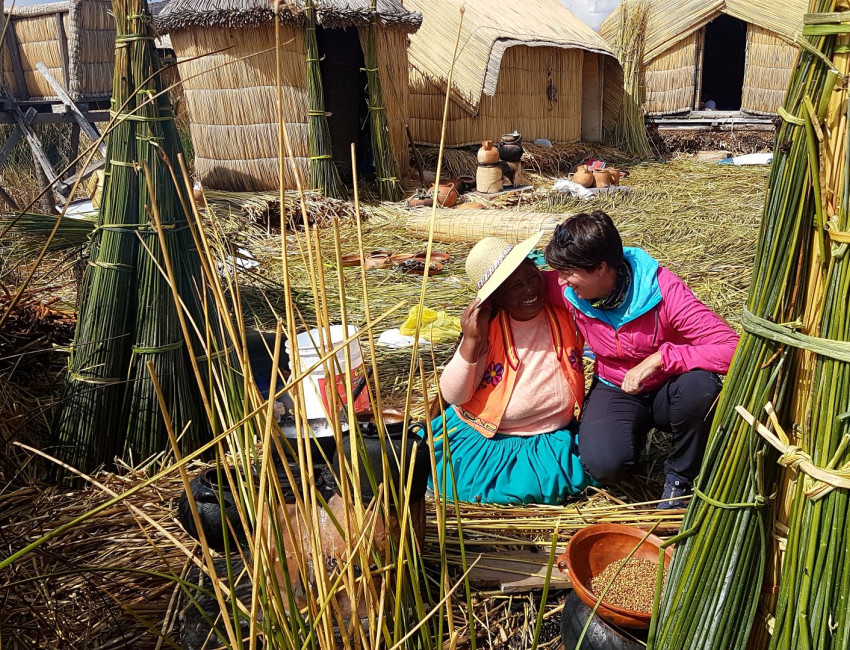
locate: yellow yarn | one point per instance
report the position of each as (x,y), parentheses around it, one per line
(437,326)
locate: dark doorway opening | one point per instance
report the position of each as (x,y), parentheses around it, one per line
(724,56)
(345,89)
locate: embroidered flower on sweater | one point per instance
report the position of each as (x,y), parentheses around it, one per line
(492,375)
(575,360)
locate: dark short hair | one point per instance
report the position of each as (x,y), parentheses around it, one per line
(584,241)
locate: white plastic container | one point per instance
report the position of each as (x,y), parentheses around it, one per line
(315,397)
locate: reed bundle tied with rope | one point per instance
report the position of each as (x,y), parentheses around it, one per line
(792,362)
(386,174)
(127,316)
(323,172)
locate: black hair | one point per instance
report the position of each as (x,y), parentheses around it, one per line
(584,241)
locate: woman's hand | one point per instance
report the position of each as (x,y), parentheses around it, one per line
(633,381)
(475,325)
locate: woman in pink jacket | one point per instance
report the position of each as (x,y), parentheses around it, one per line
(658,352)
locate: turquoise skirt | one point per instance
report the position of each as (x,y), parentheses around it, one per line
(506,469)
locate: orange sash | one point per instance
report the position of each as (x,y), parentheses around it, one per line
(487,405)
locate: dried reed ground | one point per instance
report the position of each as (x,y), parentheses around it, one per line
(79,592)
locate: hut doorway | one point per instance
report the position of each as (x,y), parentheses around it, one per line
(346,97)
(723,61)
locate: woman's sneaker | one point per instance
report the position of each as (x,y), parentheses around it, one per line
(675,489)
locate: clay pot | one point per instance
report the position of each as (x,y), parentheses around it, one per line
(351,260)
(592,549)
(436,256)
(465,183)
(200,199)
(512,137)
(615,175)
(583,176)
(398,258)
(377,260)
(488,154)
(447,195)
(601,178)
(424,202)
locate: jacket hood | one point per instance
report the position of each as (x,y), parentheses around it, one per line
(644,292)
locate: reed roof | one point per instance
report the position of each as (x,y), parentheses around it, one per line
(489,28)
(182,14)
(669,21)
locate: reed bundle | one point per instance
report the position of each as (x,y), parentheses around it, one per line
(719,563)
(127,316)
(386,174)
(323,173)
(630,131)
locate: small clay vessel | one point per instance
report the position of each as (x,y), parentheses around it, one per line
(211,499)
(615,175)
(488,154)
(447,195)
(351,260)
(436,256)
(601,178)
(582,176)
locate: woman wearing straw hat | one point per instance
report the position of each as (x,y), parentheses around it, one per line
(515,383)
(658,351)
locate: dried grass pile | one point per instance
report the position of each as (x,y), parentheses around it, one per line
(263,208)
(736,142)
(107,584)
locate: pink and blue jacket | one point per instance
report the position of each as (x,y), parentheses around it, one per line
(660,313)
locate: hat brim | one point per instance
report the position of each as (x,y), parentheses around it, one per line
(510,264)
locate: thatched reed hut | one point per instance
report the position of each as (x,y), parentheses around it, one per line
(531,66)
(74,39)
(735,53)
(231,93)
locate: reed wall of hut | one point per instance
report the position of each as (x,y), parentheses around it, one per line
(670,78)
(231,98)
(75,40)
(538,93)
(769,62)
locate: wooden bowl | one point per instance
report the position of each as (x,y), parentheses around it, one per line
(592,549)
(436,256)
(351,260)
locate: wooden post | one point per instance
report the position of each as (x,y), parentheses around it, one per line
(62,38)
(15,57)
(75,149)
(43,168)
(85,125)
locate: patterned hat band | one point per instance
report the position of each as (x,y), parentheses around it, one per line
(488,274)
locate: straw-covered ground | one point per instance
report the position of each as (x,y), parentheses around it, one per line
(110,582)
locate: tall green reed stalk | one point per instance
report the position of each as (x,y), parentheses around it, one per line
(717,571)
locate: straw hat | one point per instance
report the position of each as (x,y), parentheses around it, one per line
(493,259)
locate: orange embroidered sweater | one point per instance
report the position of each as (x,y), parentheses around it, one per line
(529,381)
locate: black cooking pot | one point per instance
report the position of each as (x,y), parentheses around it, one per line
(211,499)
(510,152)
(600,634)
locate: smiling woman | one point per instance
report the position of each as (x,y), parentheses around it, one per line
(515,384)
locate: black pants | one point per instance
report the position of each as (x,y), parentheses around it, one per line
(614,425)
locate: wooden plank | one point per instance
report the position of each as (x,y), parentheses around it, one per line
(518,571)
(35,144)
(55,118)
(85,125)
(62,37)
(15,136)
(64,186)
(15,57)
